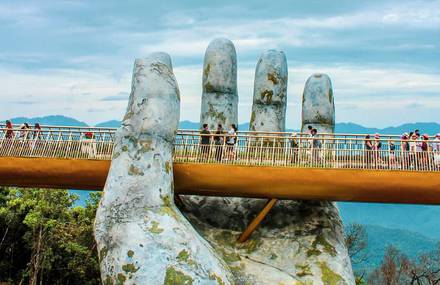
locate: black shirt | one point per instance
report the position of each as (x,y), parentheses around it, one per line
(205,136)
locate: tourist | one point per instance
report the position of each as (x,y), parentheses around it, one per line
(424,147)
(310,129)
(9,130)
(24,131)
(293,147)
(36,136)
(413,151)
(368,149)
(392,154)
(377,146)
(231,139)
(205,141)
(218,141)
(417,132)
(316,146)
(404,150)
(436,150)
(37,131)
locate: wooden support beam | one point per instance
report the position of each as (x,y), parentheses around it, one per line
(257,220)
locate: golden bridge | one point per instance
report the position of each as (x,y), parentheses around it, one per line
(260,165)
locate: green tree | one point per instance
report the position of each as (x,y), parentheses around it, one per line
(44,239)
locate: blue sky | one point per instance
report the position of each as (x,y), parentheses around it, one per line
(75,57)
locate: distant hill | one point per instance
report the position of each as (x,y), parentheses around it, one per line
(430,128)
(56,120)
(379,238)
(423,219)
(109,124)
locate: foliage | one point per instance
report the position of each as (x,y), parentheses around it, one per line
(398,269)
(356,241)
(45,240)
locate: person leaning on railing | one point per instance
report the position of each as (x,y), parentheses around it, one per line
(205,141)
(231,139)
(9,130)
(219,140)
(404,150)
(436,150)
(316,146)
(293,147)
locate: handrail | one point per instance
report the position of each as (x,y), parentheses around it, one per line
(247,148)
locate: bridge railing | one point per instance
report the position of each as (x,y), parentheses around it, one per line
(57,142)
(322,151)
(347,151)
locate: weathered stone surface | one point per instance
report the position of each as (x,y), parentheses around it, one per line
(270,93)
(298,242)
(219,98)
(142,237)
(318,107)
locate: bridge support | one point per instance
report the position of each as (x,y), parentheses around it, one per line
(257,220)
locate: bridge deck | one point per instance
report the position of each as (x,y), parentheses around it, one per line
(263,165)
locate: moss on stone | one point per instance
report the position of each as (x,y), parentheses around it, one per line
(129,268)
(213,276)
(116,154)
(322,241)
(267,95)
(169,211)
(313,252)
(207,70)
(146,145)
(329,277)
(121,279)
(303,270)
(167,167)
(303,283)
(183,256)
(128,115)
(225,238)
(251,245)
(176,277)
(229,257)
(252,120)
(330,95)
(130,253)
(273,256)
(319,119)
(155,229)
(124,148)
(209,88)
(213,113)
(273,77)
(103,253)
(135,171)
(108,281)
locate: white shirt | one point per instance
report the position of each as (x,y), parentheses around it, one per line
(436,145)
(231,136)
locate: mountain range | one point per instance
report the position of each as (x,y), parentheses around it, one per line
(343,127)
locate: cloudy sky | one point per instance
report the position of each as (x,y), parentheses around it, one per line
(75,57)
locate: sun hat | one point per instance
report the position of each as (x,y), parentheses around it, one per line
(376,135)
